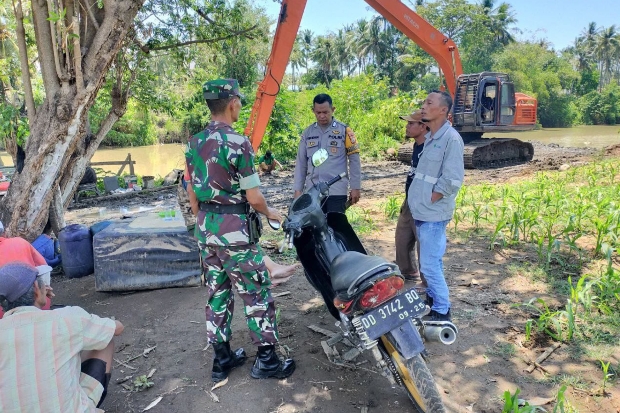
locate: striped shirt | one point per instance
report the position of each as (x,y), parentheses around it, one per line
(40,359)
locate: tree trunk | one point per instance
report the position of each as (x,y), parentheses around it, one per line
(57,212)
(59,127)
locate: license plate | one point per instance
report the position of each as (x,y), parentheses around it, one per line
(392,314)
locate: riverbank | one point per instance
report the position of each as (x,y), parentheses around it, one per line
(487,359)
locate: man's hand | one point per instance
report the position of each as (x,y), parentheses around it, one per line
(273,214)
(355,196)
(436,196)
(297,194)
(49,292)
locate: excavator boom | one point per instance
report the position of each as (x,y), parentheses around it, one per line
(403,18)
(283,41)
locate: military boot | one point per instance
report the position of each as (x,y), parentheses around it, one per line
(224,360)
(269,365)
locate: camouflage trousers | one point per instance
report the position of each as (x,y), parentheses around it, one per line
(243,267)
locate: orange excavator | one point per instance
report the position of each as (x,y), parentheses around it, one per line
(483,102)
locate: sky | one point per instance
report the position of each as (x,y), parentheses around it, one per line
(560,22)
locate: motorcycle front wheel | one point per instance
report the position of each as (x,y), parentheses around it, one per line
(417,379)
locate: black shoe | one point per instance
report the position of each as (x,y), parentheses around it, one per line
(268,364)
(224,360)
(435,316)
(429,300)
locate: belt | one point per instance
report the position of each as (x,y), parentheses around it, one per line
(243,208)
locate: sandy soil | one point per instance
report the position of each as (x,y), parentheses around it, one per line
(487,359)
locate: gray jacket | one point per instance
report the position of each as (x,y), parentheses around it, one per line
(343,149)
(440,169)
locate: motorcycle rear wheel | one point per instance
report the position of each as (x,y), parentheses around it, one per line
(417,379)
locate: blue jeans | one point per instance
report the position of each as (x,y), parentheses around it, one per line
(432,239)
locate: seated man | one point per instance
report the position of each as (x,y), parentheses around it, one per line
(20,250)
(268,163)
(67,367)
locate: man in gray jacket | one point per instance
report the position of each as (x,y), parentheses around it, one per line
(432,196)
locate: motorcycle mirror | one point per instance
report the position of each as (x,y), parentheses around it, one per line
(275,225)
(319,157)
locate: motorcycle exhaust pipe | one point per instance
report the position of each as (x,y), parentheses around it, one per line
(440,334)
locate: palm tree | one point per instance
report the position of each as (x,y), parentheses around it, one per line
(588,36)
(296,60)
(355,40)
(306,39)
(325,55)
(500,18)
(343,51)
(607,49)
(371,43)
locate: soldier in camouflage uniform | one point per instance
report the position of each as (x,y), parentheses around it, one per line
(220,163)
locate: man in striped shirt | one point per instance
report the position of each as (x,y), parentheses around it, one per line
(50,361)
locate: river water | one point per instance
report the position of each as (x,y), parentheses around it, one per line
(161,159)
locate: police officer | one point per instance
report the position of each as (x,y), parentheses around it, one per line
(340,142)
(220,163)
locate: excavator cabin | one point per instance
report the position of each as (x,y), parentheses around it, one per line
(487,102)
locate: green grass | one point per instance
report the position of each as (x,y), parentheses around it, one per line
(361,220)
(502,349)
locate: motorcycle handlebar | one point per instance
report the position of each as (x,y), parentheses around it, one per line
(336,179)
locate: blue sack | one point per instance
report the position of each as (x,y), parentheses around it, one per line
(47,248)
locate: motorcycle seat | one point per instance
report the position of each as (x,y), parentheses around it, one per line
(351,268)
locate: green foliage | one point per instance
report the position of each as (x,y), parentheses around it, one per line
(13,126)
(541,72)
(134,129)
(361,102)
(512,404)
(391,207)
(601,108)
(283,131)
(361,220)
(141,383)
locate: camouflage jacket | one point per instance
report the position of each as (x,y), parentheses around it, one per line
(220,163)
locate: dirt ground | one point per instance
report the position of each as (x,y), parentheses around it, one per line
(487,359)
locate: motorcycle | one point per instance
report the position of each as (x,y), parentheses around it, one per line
(366,295)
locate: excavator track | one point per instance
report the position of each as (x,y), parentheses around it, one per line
(485,153)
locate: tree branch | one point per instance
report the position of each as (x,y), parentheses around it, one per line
(23,60)
(148,49)
(59,71)
(89,10)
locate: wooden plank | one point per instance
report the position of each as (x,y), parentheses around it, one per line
(111,163)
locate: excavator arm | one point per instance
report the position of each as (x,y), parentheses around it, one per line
(283,41)
(412,25)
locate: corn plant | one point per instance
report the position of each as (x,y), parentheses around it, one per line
(391,208)
(512,404)
(561,405)
(606,375)
(608,288)
(548,322)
